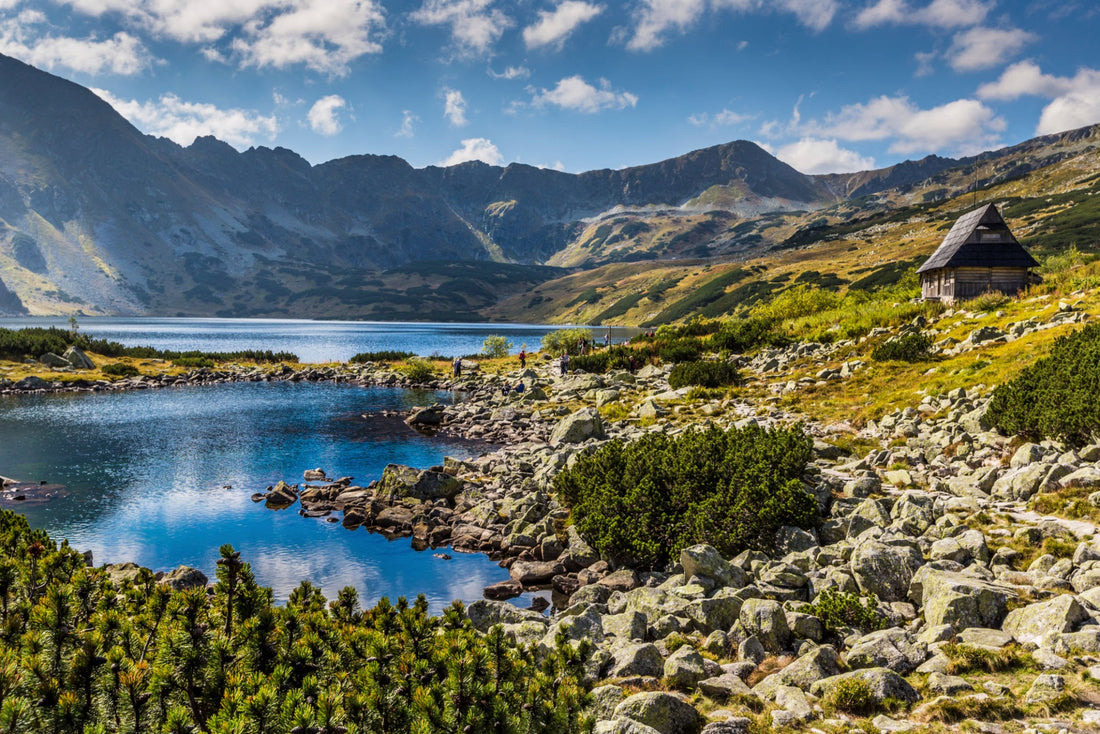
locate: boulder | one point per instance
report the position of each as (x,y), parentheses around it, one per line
(622,726)
(960,600)
(765,619)
(485,613)
(885,570)
(625,626)
(501,590)
(685,667)
(723,686)
(889,648)
(1044,688)
(429,416)
(400,481)
(183,577)
(1031,623)
(530,573)
(643,659)
(54,360)
(665,712)
(78,359)
(283,495)
(604,700)
(884,684)
(578,427)
(706,562)
(817,664)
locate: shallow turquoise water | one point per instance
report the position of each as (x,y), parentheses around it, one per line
(146,471)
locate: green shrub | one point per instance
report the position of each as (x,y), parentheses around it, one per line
(837,609)
(742,335)
(80,652)
(1057,396)
(703,374)
(120,369)
(797,301)
(193,362)
(851,696)
(566,340)
(417,369)
(495,346)
(908,348)
(386,355)
(642,502)
(679,350)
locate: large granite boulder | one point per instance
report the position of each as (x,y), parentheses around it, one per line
(884,684)
(636,660)
(706,562)
(885,570)
(78,359)
(685,668)
(399,481)
(959,599)
(1032,623)
(665,712)
(485,613)
(889,648)
(281,496)
(183,577)
(766,619)
(578,427)
(818,663)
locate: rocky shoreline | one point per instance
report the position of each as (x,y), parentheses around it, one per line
(934,524)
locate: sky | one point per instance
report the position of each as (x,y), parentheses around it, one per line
(576,85)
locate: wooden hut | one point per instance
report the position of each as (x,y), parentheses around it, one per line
(979,255)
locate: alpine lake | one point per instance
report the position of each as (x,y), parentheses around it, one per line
(164,477)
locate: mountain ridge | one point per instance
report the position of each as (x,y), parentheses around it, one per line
(97,217)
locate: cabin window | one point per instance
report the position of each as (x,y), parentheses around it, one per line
(991,237)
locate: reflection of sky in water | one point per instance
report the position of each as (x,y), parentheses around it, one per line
(312,341)
(146,472)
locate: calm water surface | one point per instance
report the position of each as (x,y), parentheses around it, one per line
(312,341)
(147,473)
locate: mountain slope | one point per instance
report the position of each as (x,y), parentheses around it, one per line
(96,216)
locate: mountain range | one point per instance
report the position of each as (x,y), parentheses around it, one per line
(99,218)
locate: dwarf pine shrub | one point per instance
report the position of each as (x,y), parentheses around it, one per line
(703,374)
(908,348)
(837,609)
(1057,396)
(644,501)
(82,653)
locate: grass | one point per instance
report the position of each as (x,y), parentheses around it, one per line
(978,708)
(972,658)
(769,665)
(1068,502)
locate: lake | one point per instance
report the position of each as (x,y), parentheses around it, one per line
(164,477)
(312,341)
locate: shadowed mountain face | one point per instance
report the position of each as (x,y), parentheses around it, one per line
(97,217)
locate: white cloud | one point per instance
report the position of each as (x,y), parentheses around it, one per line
(656,18)
(813,155)
(454,107)
(475,149)
(408,120)
(574,93)
(1022,78)
(323,115)
(511,72)
(183,121)
(1075,101)
(475,25)
(555,26)
(937,14)
(121,54)
(964,125)
(724,118)
(983,48)
(324,35)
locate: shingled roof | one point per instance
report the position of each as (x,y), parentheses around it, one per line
(962,247)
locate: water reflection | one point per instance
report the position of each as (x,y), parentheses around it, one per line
(147,472)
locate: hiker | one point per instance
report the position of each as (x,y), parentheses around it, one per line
(456,367)
(505,389)
(522,359)
(633,364)
(564,364)
(519,388)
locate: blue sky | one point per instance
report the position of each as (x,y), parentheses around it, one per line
(827,85)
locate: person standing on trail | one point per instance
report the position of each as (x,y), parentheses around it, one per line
(522,359)
(456,367)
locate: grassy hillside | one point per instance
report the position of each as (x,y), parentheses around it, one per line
(862,245)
